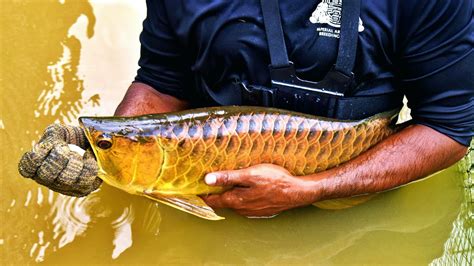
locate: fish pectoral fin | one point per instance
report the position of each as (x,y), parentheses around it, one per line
(189,203)
(343,203)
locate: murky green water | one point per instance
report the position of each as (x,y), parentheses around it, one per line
(61,59)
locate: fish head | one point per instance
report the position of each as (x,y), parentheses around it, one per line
(128,157)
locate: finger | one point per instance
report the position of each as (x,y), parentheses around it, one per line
(53,131)
(52,166)
(88,180)
(28,165)
(69,175)
(69,134)
(93,183)
(90,164)
(76,136)
(32,160)
(214,201)
(89,156)
(86,186)
(229,178)
(230,199)
(79,178)
(88,183)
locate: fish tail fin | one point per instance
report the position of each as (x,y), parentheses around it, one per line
(188,203)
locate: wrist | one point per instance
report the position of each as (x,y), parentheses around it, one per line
(309,191)
(315,187)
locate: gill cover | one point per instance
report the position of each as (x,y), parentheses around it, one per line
(128,158)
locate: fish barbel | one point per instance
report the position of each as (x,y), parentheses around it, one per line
(166,156)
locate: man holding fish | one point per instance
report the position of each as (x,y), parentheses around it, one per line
(341,59)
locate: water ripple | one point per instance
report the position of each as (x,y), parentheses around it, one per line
(123,232)
(72,216)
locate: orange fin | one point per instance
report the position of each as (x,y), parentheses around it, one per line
(189,203)
(343,203)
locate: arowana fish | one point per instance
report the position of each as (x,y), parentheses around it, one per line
(166,156)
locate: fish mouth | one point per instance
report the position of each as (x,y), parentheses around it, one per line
(88,124)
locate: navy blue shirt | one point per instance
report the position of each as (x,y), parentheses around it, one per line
(194,50)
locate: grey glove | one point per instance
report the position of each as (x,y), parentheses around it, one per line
(51,162)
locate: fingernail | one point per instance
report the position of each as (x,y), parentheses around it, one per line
(210,179)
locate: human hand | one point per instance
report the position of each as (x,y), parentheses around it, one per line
(262,190)
(52,163)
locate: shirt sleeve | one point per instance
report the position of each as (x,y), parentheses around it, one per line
(437,64)
(162,61)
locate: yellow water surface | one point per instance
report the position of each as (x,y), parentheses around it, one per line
(62,59)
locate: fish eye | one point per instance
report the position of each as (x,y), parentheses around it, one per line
(104,142)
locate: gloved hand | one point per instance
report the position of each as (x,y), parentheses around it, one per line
(51,162)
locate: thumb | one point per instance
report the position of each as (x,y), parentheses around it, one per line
(229,178)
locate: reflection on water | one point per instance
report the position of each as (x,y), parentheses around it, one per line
(41,62)
(152,219)
(123,232)
(61,59)
(39,85)
(71,217)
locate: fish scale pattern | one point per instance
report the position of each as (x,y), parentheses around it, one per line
(300,143)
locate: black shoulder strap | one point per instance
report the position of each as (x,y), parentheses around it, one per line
(274,33)
(346,52)
(347,42)
(327,97)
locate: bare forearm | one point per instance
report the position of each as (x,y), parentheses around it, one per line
(142,99)
(413,153)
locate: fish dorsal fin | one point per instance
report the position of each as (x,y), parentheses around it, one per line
(189,203)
